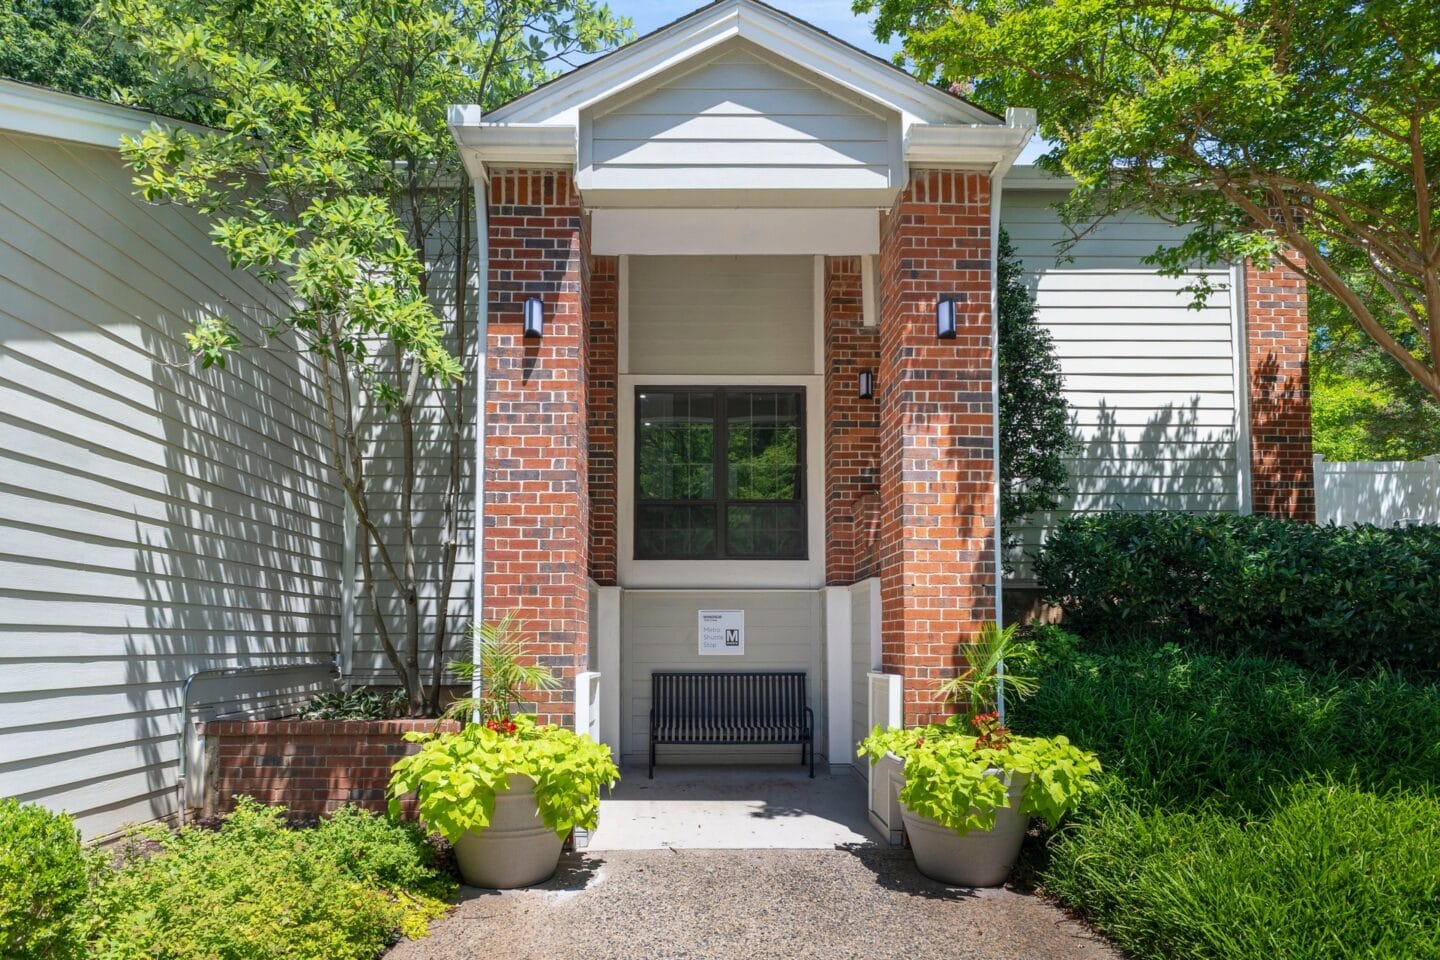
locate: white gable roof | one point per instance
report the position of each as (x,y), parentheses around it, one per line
(560,101)
(739,104)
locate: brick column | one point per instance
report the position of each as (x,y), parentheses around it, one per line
(1282,472)
(537,504)
(604,294)
(937,435)
(852,444)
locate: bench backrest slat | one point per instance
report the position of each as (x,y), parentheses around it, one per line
(743,704)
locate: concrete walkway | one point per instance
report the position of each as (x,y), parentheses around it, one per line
(746,864)
(733,808)
(864,903)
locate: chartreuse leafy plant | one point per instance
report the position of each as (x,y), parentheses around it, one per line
(951,775)
(958,773)
(457,775)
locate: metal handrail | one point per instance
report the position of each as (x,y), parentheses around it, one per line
(218,673)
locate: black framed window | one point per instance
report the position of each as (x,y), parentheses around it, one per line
(720,473)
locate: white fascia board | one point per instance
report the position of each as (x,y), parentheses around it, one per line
(768,232)
(774,197)
(489,144)
(1027,176)
(983,146)
(806,48)
(42,112)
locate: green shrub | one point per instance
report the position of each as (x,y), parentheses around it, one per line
(1317,595)
(257,890)
(1179,727)
(43,884)
(1250,809)
(1328,872)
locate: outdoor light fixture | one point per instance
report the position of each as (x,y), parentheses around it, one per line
(535,318)
(945,319)
(867,384)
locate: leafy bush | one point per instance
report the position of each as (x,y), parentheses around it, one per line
(361,704)
(1317,595)
(1179,727)
(1250,809)
(42,884)
(258,890)
(1327,872)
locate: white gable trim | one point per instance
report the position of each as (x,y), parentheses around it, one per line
(560,101)
(42,112)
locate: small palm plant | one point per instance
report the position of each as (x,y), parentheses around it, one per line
(989,662)
(504,679)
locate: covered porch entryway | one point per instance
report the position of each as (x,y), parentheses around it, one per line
(739,362)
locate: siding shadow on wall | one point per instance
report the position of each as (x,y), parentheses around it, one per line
(1171,462)
(245,571)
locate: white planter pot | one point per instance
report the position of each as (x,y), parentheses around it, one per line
(517,849)
(978,858)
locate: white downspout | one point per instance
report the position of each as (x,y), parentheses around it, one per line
(997,180)
(482,345)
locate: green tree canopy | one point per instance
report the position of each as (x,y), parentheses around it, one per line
(325,168)
(60,43)
(1303,129)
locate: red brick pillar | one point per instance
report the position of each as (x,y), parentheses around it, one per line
(852,444)
(537,503)
(604,299)
(937,432)
(1282,473)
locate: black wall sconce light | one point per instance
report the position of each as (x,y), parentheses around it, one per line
(945,319)
(534,318)
(867,385)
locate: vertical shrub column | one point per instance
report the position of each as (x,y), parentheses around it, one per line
(604,300)
(537,500)
(1282,473)
(937,432)
(852,456)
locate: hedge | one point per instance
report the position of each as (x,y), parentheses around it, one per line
(1317,595)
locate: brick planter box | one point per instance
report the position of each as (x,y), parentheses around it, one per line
(309,766)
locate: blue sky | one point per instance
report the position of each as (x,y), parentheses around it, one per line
(832,16)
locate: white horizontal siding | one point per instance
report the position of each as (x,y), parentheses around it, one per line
(721,315)
(738,119)
(434,438)
(155,519)
(1150,381)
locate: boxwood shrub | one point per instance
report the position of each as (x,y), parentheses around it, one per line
(42,884)
(1317,595)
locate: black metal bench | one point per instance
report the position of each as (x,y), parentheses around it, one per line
(731,707)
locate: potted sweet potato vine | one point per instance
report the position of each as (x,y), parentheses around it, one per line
(504,790)
(971,786)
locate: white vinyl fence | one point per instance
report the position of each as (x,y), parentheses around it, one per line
(1386,493)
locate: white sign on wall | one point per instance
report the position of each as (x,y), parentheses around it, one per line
(722,633)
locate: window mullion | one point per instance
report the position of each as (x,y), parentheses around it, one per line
(722,475)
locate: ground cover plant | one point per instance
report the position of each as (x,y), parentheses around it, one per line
(1250,808)
(253,889)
